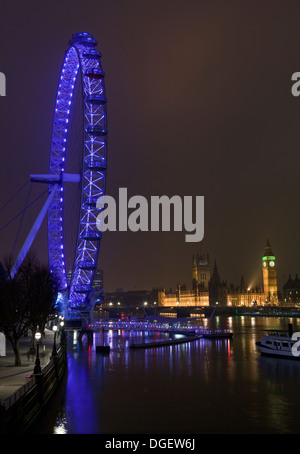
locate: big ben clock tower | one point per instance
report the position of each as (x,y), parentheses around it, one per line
(270,275)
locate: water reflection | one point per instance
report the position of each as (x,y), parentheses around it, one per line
(204,386)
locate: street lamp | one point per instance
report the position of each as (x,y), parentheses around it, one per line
(62,336)
(54,352)
(37,367)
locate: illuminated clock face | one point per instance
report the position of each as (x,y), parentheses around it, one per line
(265,264)
(272,264)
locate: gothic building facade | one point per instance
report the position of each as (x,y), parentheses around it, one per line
(201,272)
(209,290)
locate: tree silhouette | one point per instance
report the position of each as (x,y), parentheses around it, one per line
(27,301)
(40,290)
(13,313)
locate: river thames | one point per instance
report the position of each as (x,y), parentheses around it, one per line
(201,387)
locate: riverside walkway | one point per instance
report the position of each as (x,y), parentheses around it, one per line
(13,377)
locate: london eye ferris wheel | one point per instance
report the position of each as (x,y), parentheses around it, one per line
(77,172)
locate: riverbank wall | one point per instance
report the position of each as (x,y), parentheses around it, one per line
(21,409)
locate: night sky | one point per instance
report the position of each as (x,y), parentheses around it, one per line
(199,103)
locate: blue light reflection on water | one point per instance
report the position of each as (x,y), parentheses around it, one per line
(220,386)
(81,411)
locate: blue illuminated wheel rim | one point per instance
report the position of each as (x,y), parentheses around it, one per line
(82,61)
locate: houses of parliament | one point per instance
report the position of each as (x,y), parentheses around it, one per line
(209,290)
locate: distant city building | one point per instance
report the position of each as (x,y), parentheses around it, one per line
(291,291)
(96,294)
(98,281)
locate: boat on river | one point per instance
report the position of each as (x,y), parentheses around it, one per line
(280,343)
